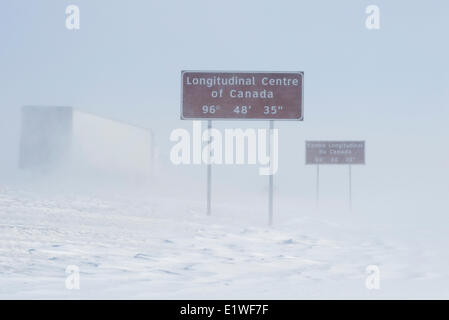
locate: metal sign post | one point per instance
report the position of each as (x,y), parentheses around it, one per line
(350,189)
(209,172)
(270,178)
(317,185)
(152,152)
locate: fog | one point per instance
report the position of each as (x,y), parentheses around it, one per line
(389,88)
(380,87)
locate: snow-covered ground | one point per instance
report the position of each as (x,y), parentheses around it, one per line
(165,247)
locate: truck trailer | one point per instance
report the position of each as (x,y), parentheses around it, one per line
(68,140)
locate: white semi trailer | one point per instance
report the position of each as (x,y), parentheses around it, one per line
(65,139)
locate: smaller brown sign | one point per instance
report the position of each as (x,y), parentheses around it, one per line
(335,152)
(242,95)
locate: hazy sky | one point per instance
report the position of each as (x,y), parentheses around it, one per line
(389,87)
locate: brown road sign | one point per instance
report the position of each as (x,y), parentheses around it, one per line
(335,152)
(242,95)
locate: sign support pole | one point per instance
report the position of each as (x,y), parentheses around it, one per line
(209,173)
(270,177)
(152,153)
(317,185)
(350,189)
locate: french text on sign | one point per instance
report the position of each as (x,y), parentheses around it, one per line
(335,152)
(242,95)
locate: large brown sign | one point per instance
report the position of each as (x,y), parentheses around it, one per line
(335,152)
(242,95)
